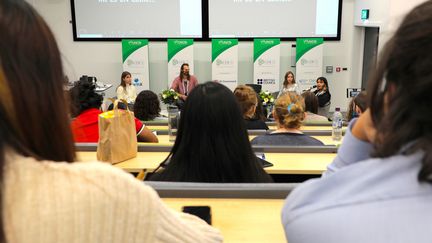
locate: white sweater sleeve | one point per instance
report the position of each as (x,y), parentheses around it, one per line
(121,93)
(150,213)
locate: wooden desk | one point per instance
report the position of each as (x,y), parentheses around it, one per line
(164,140)
(272,127)
(284,163)
(240,220)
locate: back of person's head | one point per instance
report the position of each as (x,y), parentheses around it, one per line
(147,106)
(247,99)
(311,102)
(400,91)
(285,83)
(289,110)
(357,103)
(212,143)
(32,100)
(123,76)
(83,97)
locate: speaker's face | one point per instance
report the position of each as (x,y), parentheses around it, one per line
(128,79)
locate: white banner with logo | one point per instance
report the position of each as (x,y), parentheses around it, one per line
(225,62)
(135,61)
(309,61)
(179,51)
(267,63)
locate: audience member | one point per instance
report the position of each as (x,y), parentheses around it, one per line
(126,90)
(147,106)
(324,96)
(289,114)
(357,106)
(85,107)
(45,197)
(212,143)
(289,84)
(378,188)
(248,102)
(311,105)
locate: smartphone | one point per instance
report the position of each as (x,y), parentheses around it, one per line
(202,212)
(262,160)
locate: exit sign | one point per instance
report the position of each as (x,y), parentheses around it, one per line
(365,14)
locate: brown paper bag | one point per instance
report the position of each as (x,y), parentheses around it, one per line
(117,135)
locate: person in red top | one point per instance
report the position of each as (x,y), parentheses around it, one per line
(85,104)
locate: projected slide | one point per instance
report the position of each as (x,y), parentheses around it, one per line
(273,18)
(138,18)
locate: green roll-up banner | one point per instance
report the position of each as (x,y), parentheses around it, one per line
(267,63)
(135,61)
(179,51)
(225,62)
(309,61)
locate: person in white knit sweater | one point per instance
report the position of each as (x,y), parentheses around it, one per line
(45,197)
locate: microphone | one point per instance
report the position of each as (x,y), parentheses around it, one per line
(313,87)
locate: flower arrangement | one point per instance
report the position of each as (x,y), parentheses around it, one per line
(169,96)
(266,97)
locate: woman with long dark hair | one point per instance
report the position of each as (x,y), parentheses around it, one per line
(379,187)
(324,96)
(45,197)
(212,143)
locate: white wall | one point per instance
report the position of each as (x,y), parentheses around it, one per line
(103,59)
(385,14)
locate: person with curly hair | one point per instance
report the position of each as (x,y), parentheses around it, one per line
(85,108)
(126,90)
(147,106)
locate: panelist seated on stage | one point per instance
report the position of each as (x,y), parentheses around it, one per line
(289,114)
(126,91)
(184,83)
(212,143)
(85,108)
(324,96)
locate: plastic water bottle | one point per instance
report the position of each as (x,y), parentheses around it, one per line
(337,125)
(173,120)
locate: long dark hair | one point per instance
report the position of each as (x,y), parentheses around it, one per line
(147,106)
(325,82)
(399,91)
(212,143)
(285,83)
(32,101)
(181,72)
